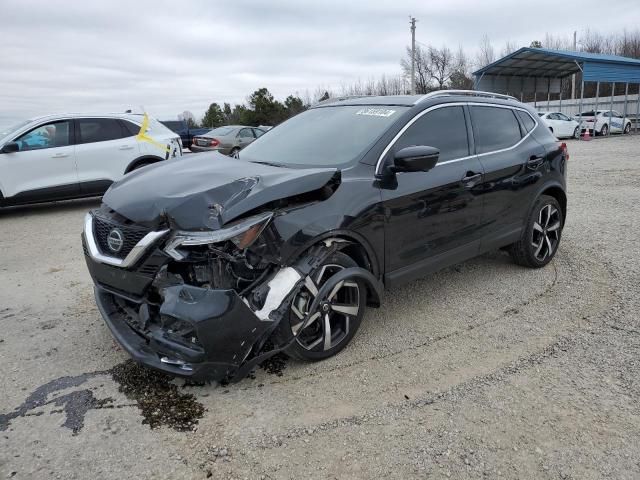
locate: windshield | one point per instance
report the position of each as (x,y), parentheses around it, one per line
(4,131)
(325,136)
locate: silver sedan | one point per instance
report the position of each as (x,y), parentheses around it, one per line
(228,140)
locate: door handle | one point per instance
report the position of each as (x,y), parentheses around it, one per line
(125,147)
(471,177)
(534,161)
(60,155)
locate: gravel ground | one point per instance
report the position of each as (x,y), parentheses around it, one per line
(483,370)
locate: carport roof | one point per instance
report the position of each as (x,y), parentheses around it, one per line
(542,62)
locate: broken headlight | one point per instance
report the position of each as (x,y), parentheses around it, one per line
(242,234)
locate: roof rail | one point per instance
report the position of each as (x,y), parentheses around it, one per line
(343,98)
(471,93)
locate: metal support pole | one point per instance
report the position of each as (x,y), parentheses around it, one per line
(613,91)
(548,93)
(638,109)
(560,104)
(595,109)
(580,108)
(624,114)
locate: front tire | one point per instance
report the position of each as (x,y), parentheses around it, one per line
(576,133)
(337,318)
(627,129)
(234,152)
(540,239)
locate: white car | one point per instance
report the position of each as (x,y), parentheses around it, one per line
(69,156)
(603,121)
(560,125)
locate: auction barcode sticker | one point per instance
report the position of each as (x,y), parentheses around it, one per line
(376,112)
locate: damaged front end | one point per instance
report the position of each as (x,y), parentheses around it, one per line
(201,304)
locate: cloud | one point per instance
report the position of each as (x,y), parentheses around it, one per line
(174,56)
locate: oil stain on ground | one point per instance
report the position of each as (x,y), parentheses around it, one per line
(160,401)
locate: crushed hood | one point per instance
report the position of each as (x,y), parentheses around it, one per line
(206,190)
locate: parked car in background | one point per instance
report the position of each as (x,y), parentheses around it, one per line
(602,121)
(67,156)
(227,140)
(560,125)
(283,249)
(182,128)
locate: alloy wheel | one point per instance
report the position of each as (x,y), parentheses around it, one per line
(546,232)
(576,133)
(329,324)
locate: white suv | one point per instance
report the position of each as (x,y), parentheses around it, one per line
(68,156)
(604,121)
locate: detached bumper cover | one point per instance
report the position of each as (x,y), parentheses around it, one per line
(225,328)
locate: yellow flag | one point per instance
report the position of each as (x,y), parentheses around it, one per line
(142,135)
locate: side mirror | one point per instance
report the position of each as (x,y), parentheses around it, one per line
(418,158)
(11,147)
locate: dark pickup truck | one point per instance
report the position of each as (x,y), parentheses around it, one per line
(182,128)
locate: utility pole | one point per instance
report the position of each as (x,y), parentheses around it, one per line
(573,77)
(413,55)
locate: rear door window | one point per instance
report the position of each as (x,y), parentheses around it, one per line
(494,128)
(246,133)
(92,130)
(443,128)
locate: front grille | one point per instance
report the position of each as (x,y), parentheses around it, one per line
(131,235)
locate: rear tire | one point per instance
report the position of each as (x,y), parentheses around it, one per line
(234,152)
(627,129)
(311,344)
(576,133)
(540,239)
(604,131)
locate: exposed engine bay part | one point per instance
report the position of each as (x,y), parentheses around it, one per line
(210,314)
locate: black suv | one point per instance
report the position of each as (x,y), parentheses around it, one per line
(207,266)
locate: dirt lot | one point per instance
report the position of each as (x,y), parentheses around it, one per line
(482,370)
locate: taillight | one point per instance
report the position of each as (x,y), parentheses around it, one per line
(565,151)
(214,142)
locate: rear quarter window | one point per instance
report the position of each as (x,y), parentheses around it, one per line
(527,121)
(494,128)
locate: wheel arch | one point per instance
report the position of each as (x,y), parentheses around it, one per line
(357,248)
(143,159)
(556,191)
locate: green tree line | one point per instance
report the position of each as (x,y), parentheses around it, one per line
(261,109)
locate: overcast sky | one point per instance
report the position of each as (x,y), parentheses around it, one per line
(61,56)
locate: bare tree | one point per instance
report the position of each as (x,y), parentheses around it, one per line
(423,72)
(486,54)
(509,47)
(442,65)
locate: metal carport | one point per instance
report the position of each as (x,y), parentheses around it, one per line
(539,69)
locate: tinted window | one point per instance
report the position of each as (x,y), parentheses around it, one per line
(54,134)
(324,136)
(526,120)
(588,114)
(246,133)
(495,128)
(99,130)
(131,128)
(443,128)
